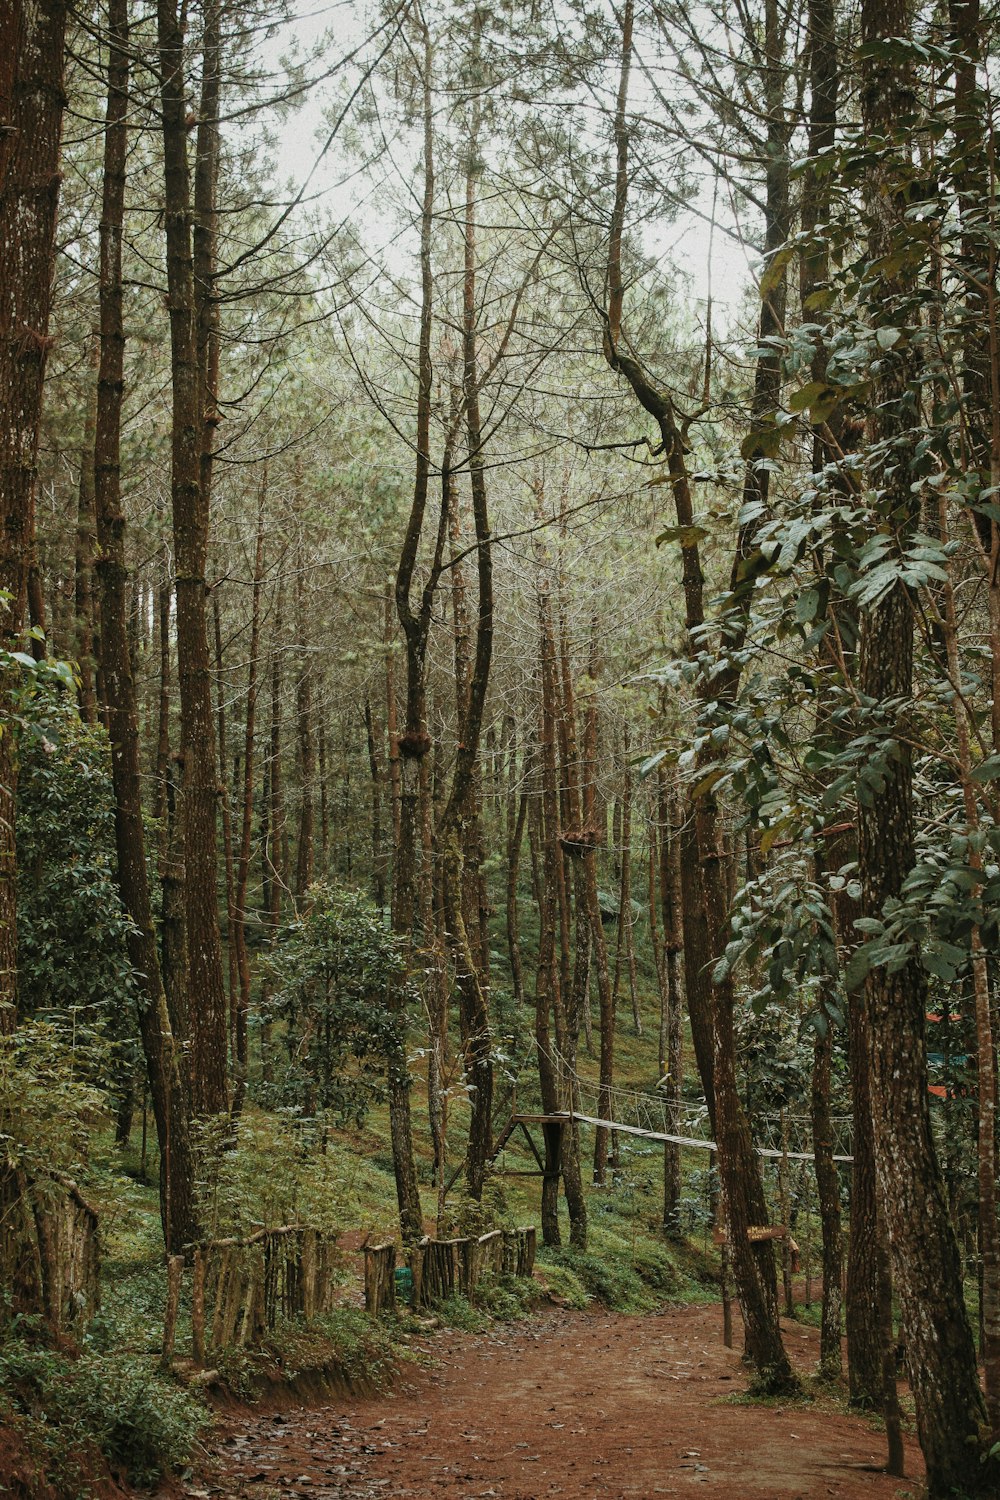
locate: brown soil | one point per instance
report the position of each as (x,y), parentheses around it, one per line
(568,1404)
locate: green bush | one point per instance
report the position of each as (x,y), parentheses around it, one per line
(506,1298)
(653,1264)
(141,1423)
(607,1277)
(458,1312)
(564,1283)
(344,1345)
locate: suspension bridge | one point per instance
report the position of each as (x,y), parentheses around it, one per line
(649,1115)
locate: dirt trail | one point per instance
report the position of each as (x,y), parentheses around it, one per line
(568,1404)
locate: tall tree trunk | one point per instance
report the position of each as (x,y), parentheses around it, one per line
(31,79)
(460,814)
(170,856)
(225,797)
(517,812)
(986,1049)
(378,852)
(161,1048)
(415,623)
(626,940)
(828,1193)
(703,858)
(670,897)
(85,625)
(304,861)
(239,937)
(575,996)
(209,1088)
(275,870)
(927,1268)
(590,837)
(547,977)
(870,1366)
(391,723)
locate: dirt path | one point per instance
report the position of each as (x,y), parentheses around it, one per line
(569,1404)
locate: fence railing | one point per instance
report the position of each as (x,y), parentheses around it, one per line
(240,1288)
(49,1248)
(445,1268)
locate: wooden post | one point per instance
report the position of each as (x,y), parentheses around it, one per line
(416,1260)
(808,1240)
(198,1308)
(786,1254)
(175,1268)
(380,1277)
(727,1304)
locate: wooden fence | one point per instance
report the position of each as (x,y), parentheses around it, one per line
(49,1248)
(240,1288)
(444,1268)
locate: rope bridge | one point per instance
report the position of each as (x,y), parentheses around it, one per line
(652,1117)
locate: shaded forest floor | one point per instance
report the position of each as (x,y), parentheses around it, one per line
(568,1403)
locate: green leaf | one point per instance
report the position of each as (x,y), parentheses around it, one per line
(987,770)
(688,536)
(775,270)
(857,969)
(762,442)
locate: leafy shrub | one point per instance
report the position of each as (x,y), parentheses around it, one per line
(331,977)
(73,964)
(458,1312)
(141,1423)
(466,1216)
(344,1345)
(655,1267)
(564,1283)
(506,1298)
(608,1278)
(46,1107)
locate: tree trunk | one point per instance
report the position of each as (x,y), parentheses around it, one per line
(304,862)
(517,812)
(927,1267)
(547,978)
(274,871)
(588,855)
(828,1193)
(673,1068)
(227,824)
(378,853)
(161,1049)
(703,870)
(209,1089)
(85,624)
(626,942)
(31,79)
(239,937)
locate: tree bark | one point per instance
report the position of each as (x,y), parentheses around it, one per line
(32,101)
(927,1268)
(239,937)
(703,857)
(673,1061)
(83,580)
(209,1085)
(161,1049)
(225,798)
(547,977)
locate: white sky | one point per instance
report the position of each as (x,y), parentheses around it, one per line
(686,242)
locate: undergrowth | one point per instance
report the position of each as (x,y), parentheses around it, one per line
(69,1408)
(344,1347)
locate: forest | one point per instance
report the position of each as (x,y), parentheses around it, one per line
(499,708)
